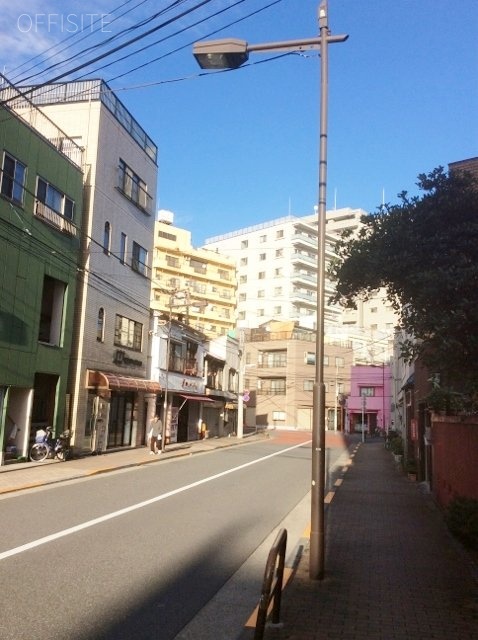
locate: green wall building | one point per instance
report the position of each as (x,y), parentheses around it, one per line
(40,224)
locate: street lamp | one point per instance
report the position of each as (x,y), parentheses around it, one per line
(231,54)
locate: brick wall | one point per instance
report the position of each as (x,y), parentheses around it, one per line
(454,457)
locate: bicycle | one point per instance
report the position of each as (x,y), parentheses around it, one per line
(47,446)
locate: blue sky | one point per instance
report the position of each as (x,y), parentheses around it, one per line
(240,148)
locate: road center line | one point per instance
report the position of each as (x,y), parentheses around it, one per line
(121,512)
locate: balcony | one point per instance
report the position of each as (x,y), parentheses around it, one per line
(186,366)
(54,219)
(300,257)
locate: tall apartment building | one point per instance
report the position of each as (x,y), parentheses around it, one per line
(371,325)
(276,266)
(41,192)
(197,284)
(109,385)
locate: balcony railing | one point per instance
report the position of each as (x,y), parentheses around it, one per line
(53,218)
(187,366)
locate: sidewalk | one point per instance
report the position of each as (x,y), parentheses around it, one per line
(27,475)
(392,571)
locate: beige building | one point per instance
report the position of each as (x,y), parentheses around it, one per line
(280,374)
(199,285)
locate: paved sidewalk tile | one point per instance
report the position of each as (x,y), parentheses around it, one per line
(392,570)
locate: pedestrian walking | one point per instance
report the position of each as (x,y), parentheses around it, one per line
(155,435)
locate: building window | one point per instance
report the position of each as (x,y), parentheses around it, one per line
(243,262)
(139,259)
(279,253)
(339,362)
(261,293)
(261,275)
(107,239)
(54,199)
(262,257)
(244,244)
(278,273)
(263,239)
(272,359)
(308,385)
(242,279)
(279,234)
(277,310)
(242,297)
(367,391)
(223,274)
(172,261)
(278,416)
(131,185)
(167,236)
(13,179)
(100,325)
(123,247)
(278,291)
(260,312)
(198,265)
(277,386)
(51,314)
(128,333)
(241,315)
(309,357)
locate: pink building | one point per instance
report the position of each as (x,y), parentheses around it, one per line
(369,399)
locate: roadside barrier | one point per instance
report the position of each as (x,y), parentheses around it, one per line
(272,585)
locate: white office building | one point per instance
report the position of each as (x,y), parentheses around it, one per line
(276,266)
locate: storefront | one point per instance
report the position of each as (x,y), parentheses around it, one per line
(117,411)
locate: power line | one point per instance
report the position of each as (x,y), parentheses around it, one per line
(112,51)
(71,36)
(109,40)
(188,44)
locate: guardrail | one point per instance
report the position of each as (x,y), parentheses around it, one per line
(272,585)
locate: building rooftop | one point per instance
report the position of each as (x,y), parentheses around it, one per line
(80,91)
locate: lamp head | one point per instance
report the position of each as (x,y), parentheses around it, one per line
(230,53)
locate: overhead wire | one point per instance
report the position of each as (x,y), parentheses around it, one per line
(109,40)
(111,51)
(236,21)
(73,35)
(188,44)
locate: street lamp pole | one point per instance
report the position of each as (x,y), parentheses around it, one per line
(317,525)
(231,54)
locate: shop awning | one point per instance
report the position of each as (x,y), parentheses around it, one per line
(198,398)
(116,382)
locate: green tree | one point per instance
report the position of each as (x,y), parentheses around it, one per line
(424,252)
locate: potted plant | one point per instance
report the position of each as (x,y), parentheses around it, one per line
(445,401)
(411,468)
(396,447)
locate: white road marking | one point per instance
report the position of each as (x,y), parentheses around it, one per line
(121,512)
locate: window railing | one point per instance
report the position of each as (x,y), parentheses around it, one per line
(53,218)
(133,190)
(187,366)
(271,392)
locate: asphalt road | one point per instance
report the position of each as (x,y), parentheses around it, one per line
(138,553)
